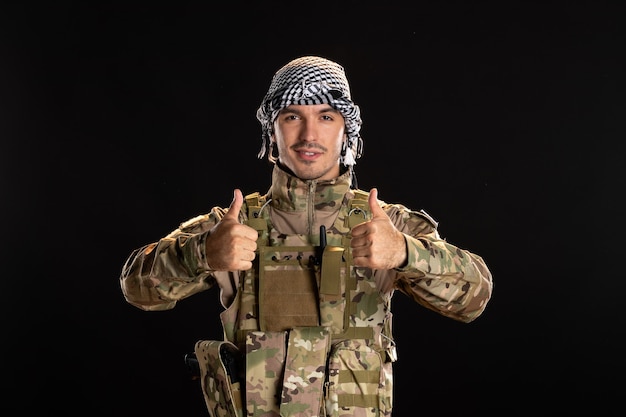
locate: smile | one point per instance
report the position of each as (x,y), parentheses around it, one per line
(308,155)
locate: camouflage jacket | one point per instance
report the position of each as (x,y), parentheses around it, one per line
(439,276)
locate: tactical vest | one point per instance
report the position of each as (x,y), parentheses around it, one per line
(312,336)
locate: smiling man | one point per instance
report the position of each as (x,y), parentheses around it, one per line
(309,140)
(306,271)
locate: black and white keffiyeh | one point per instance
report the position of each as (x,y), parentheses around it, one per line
(312,80)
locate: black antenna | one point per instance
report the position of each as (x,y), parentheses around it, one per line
(320,249)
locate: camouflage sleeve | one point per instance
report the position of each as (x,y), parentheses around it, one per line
(442,277)
(157,275)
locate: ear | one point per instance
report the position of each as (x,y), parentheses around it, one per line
(274,155)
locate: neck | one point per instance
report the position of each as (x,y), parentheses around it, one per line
(342,170)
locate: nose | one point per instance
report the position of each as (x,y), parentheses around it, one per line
(308,131)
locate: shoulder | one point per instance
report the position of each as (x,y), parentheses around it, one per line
(399,213)
(421,213)
(414,219)
(202,222)
(253,204)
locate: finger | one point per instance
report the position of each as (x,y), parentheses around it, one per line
(375,208)
(235,205)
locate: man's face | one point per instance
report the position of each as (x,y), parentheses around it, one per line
(309,140)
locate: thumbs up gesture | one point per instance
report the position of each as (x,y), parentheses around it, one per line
(230,245)
(377,244)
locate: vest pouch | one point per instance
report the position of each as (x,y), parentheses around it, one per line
(265,360)
(285,372)
(332,290)
(305,368)
(287,288)
(220,377)
(356,373)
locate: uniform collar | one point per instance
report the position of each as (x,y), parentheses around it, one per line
(290,193)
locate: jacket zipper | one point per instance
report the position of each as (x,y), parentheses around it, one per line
(310,208)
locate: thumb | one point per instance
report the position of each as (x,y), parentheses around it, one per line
(375,208)
(235,205)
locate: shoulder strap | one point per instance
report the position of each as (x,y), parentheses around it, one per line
(254,204)
(358,208)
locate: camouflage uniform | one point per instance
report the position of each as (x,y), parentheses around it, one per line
(337,360)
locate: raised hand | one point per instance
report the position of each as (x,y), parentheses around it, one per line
(377,243)
(230,245)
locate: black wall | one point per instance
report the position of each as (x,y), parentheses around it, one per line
(503,120)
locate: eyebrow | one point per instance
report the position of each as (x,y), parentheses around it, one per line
(326,109)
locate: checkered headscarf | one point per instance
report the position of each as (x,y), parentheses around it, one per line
(311,80)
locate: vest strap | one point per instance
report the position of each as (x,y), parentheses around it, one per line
(363,401)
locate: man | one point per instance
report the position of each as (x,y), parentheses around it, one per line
(307,271)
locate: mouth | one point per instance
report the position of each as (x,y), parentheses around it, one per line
(307,154)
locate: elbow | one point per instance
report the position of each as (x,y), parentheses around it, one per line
(144,298)
(478,300)
(151,306)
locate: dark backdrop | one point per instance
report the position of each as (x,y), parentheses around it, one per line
(503,120)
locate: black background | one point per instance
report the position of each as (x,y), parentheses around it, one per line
(504,120)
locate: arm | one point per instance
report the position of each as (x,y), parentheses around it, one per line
(157,275)
(405,249)
(438,275)
(204,251)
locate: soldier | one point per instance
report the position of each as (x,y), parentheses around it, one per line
(306,271)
